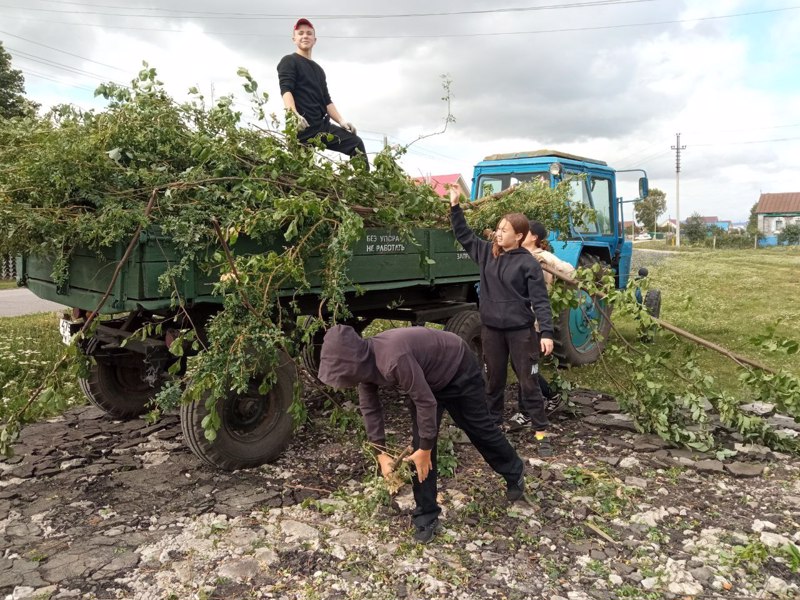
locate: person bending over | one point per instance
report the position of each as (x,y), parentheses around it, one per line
(438,372)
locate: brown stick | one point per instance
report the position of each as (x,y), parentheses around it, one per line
(407,451)
(740,360)
(495,196)
(134,241)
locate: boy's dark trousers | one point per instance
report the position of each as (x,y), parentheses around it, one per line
(464,399)
(343,141)
(523,347)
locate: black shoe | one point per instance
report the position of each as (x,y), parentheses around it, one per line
(518,421)
(516,491)
(554,403)
(545,448)
(425,533)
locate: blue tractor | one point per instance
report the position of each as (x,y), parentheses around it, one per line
(599,241)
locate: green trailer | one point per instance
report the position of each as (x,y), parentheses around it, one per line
(391,280)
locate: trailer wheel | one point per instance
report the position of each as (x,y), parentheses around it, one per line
(574,341)
(255,428)
(118,388)
(467,325)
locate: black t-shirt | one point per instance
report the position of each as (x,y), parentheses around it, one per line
(306,80)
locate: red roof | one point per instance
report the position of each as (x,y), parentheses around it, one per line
(440,182)
(779,203)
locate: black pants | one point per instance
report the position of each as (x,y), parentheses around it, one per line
(522,345)
(343,141)
(465,400)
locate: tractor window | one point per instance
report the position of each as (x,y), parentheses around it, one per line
(491,184)
(602,199)
(580,195)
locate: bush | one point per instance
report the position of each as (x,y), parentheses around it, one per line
(790,235)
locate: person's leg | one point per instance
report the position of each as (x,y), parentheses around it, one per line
(495,357)
(345,142)
(427,509)
(526,360)
(544,387)
(464,398)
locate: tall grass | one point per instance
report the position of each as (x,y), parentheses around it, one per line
(29,347)
(725,296)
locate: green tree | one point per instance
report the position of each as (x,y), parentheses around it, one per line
(752,222)
(695,229)
(648,209)
(790,234)
(13,102)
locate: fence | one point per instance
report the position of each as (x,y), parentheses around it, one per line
(8,267)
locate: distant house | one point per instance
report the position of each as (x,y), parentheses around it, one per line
(776,211)
(669,224)
(710,222)
(440,183)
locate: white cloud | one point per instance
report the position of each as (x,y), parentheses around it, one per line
(618,94)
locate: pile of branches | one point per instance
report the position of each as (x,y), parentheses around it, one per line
(205,176)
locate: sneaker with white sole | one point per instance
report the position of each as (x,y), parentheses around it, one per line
(518,421)
(554,403)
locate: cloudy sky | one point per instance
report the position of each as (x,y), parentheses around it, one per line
(609,79)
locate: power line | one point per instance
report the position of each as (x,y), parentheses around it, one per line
(427,36)
(30,73)
(58,65)
(210,15)
(19,37)
(790,139)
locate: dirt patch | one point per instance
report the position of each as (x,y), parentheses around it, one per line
(94,508)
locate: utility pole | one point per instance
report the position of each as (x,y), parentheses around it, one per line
(677,147)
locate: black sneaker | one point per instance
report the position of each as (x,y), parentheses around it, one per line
(425,533)
(516,491)
(545,448)
(554,403)
(518,421)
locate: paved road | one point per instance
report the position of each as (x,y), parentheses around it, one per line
(22,301)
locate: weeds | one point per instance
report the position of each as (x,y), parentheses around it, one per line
(29,348)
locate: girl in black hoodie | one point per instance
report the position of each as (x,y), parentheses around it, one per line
(512,284)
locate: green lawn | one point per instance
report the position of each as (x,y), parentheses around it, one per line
(29,347)
(726,297)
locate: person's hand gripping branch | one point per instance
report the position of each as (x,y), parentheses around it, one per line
(421,459)
(386,464)
(302,124)
(455,195)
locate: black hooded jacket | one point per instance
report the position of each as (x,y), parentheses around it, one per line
(511,283)
(417,360)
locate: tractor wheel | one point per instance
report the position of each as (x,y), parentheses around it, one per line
(467,326)
(118,387)
(255,428)
(652,303)
(575,342)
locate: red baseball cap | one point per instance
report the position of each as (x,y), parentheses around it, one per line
(303,21)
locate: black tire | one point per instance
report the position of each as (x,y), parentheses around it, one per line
(254,428)
(118,387)
(652,303)
(573,341)
(467,325)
